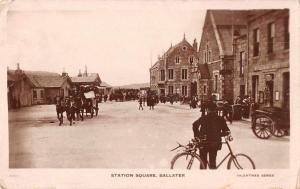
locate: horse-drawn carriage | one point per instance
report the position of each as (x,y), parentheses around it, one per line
(90,104)
(82,101)
(270,121)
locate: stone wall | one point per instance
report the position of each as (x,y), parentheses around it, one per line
(275,63)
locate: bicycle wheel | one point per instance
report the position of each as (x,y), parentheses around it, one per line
(186,160)
(240,161)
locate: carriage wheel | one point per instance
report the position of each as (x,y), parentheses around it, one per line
(262,126)
(278,132)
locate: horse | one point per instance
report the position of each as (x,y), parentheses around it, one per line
(70,110)
(60,109)
(78,108)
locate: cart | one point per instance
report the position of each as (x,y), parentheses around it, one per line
(270,121)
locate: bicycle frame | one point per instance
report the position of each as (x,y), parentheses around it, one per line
(229,154)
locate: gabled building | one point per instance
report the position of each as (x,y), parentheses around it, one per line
(216,48)
(172,73)
(48,85)
(26,88)
(86,79)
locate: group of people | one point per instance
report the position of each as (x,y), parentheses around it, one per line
(75,107)
(151,100)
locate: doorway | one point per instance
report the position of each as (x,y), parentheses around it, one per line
(194,89)
(255,87)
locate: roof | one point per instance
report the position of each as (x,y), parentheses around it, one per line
(11,76)
(156,64)
(90,78)
(230,17)
(104,84)
(183,42)
(223,22)
(204,72)
(45,79)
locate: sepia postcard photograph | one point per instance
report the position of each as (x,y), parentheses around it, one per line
(168,94)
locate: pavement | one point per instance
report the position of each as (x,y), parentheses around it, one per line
(121,136)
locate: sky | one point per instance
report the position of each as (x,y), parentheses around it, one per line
(119,40)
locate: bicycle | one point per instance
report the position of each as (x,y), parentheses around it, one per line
(189,157)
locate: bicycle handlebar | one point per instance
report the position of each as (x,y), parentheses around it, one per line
(196,141)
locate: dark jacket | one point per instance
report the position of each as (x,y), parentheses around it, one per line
(213,126)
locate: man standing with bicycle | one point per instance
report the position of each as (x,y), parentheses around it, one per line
(213,127)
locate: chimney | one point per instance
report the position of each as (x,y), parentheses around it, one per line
(85,71)
(18,70)
(64,73)
(79,74)
(195,45)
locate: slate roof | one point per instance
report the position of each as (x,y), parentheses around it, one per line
(39,79)
(183,42)
(230,17)
(224,21)
(45,79)
(92,77)
(204,72)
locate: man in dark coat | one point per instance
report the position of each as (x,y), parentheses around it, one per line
(213,127)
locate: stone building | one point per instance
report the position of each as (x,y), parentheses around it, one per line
(154,77)
(240,68)
(172,73)
(216,49)
(269,57)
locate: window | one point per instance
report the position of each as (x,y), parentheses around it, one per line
(184,90)
(34,94)
(271,36)
(184,74)
(42,93)
(286,33)
(204,56)
(204,89)
(256,42)
(170,74)
(177,60)
(162,75)
(216,83)
(242,63)
(209,56)
(171,88)
(184,48)
(191,59)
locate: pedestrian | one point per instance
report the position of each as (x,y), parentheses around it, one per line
(213,127)
(141,103)
(202,108)
(152,101)
(227,111)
